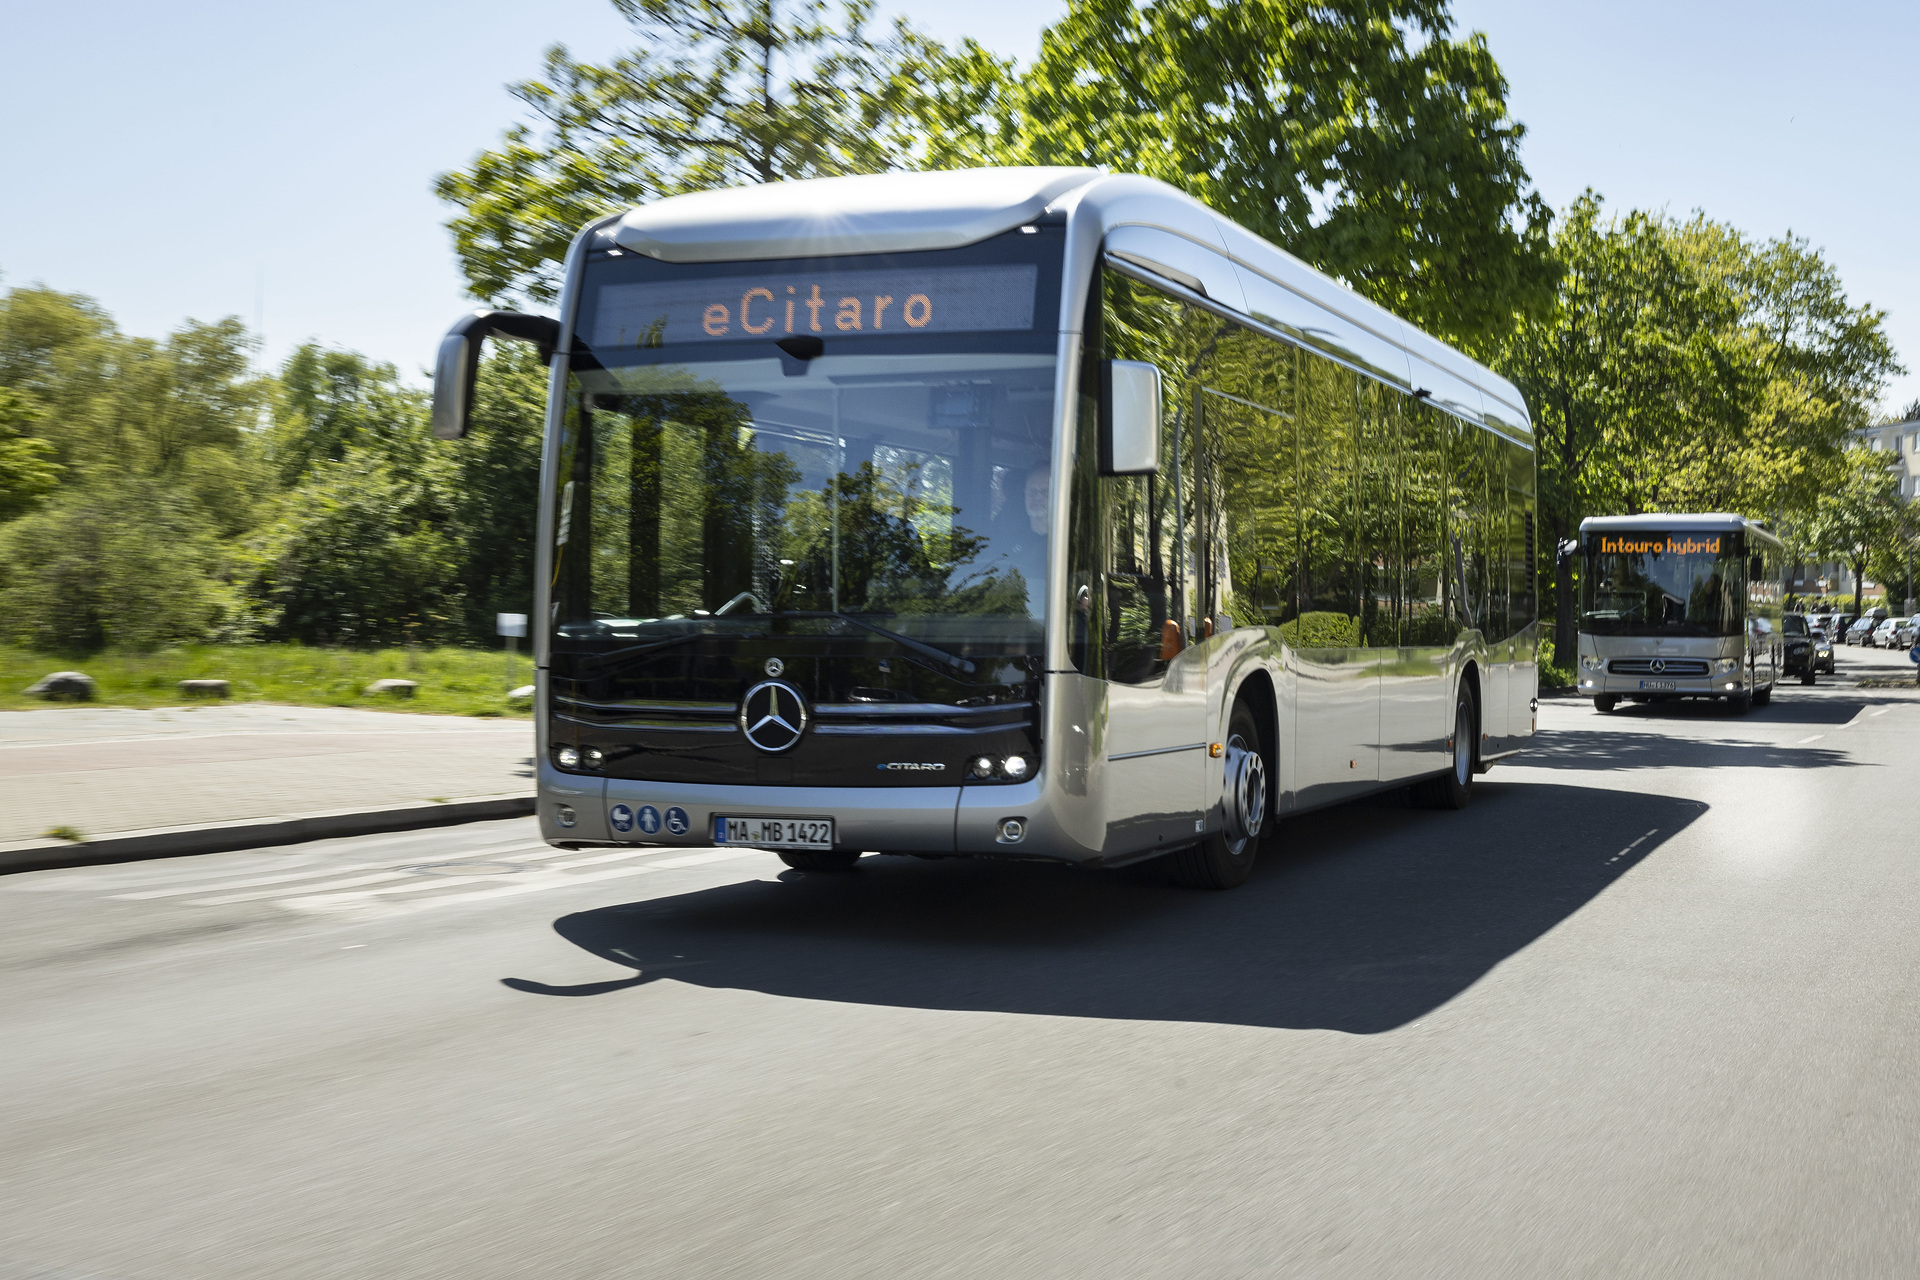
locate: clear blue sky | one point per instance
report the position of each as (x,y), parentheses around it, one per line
(168,158)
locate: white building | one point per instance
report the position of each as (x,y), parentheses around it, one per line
(1900,441)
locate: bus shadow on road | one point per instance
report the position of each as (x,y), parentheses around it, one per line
(1360,919)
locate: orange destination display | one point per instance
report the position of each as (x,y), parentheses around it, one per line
(1658,544)
(736,308)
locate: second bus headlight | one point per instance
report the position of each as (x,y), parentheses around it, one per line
(1592,662)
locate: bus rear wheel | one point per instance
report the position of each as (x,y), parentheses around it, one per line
(820,859)
(1452,789)
(1224,859)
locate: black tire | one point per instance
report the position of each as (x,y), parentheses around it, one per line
(1454,788)
(1807,676)
(1605,701)
(1761,697)
(820,859)
(1224,859)
(1740,703)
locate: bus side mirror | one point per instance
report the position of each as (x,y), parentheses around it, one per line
(1563,554)
(1129,418)
(458,363)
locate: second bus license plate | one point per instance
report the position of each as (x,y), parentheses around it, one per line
(1659,684)
(775,833)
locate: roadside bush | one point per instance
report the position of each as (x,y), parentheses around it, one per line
(135,568)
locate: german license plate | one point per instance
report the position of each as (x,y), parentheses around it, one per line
(775,833)
(1659,684)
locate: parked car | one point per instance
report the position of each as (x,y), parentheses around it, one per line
(1861,629)
(1902,634)
(1797,655)
(1839,622)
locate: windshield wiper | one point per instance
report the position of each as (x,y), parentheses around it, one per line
(634,650)
(920,647)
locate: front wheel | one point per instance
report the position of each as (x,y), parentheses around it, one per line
(820,859)
(1807,676)
(1224,859)
(1605,701)
(1452,789)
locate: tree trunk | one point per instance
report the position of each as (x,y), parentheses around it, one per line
(1566,641)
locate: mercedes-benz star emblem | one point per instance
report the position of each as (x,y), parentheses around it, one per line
(1657,665)
(775,666)
(773,715)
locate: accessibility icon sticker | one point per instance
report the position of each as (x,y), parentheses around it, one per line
(677,821)
(649,819)
(621,817)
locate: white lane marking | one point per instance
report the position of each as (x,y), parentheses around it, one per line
(418,883)
(1815,738)
(283,877)
(531,884)
(1630,848)
(1882,711)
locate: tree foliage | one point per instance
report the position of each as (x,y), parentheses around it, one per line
(715,94)
(1686,367)
(146,499)
(1359,134)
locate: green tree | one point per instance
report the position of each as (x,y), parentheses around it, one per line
(717,93)
(1684,366)
(27,469)
(493,488)
(133,565)
(1358,134)
(331,401)
(1859,517)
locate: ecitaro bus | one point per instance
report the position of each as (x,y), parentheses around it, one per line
(1035,513)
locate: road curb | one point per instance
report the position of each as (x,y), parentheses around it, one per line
(251,833)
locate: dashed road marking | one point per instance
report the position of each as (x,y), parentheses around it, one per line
(1815,738)
(1630,848)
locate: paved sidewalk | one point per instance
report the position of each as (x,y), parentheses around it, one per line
(103,770)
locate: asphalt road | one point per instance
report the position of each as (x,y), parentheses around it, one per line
(1648,1007)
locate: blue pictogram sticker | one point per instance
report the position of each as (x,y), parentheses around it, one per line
(649,819)
(621,817)
(677,821)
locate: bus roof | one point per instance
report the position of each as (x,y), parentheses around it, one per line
(1678,522)
(1165,231)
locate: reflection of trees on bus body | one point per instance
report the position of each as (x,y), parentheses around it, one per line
(1313,498)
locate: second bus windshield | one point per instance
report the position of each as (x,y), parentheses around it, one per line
(1680,584)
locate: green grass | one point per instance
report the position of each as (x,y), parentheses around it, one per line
(457,682)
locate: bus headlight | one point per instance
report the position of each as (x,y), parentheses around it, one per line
(1724,665)
(1014,766)
(567,758)
(1592,661)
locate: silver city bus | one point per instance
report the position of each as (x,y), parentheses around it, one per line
(1017,512)
(1681,606)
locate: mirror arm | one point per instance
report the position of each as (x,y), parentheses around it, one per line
(458,363)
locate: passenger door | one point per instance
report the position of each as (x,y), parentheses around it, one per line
(1156,730)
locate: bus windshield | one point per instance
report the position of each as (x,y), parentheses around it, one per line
(1663,584)
(797,447)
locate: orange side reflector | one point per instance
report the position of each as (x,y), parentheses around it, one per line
(1171,641)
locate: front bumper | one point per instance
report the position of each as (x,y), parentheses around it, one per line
(932,820)
(1636,686)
